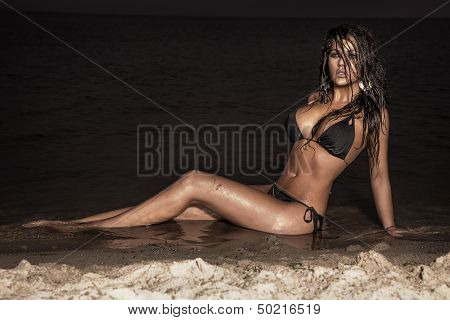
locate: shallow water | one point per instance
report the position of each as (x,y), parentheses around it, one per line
(204,236)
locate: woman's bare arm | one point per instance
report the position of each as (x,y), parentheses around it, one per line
(379,177)
(380,182)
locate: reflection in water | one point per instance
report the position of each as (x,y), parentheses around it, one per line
(201,235)
(338,232)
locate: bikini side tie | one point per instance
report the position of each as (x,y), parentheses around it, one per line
(315,217)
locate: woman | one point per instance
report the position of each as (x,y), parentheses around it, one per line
(347,113)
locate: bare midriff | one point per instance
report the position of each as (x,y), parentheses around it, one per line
(309,174)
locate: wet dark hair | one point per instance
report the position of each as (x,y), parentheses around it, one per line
(369,67)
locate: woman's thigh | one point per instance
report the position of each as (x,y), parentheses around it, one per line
(245,206)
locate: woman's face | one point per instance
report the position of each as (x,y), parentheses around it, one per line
(339,70)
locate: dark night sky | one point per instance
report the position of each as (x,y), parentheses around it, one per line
(241,8)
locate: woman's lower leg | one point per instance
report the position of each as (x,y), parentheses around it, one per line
(164,206)
(103,215)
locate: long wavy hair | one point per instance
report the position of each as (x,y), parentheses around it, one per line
(372,99)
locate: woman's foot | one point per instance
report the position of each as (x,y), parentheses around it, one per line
(63,226)
(44,223)
(73,226)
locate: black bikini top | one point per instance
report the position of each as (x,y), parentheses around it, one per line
(337,139)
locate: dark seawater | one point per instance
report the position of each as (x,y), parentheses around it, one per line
(68,129)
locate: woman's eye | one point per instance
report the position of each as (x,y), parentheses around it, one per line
(350,56)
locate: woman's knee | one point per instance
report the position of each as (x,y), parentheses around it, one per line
(191,178)
(192,172)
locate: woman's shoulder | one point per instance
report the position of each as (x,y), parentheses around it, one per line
(313,97)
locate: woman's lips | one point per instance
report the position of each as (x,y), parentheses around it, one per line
(340,74)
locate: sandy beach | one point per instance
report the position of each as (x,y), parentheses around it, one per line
(215,260)
(369,276)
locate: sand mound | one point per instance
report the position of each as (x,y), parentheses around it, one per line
(370,276)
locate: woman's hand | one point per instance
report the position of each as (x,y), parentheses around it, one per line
(396,232)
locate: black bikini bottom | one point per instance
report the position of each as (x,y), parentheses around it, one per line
(315,217)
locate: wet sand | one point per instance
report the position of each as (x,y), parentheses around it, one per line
(215,260)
